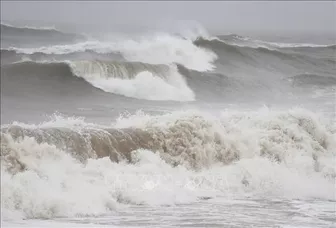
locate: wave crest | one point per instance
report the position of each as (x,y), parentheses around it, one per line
(131,79)
(195,140)
(12,34)
(160,49)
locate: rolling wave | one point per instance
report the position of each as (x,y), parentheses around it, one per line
(131,79)
(53,80)
(169,67)
(199,54)
(312,80)
(135,79)
(244,41)
(217,43)
(15,29)
(161,49)
(18,36)
(167,70)
(11,56)
(300,58)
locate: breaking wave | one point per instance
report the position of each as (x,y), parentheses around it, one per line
(174,158)
(199,54)
(134,79)
(160,49)
(131,79)
(68,167)
(211,69)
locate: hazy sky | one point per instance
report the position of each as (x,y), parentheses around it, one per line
(219,16)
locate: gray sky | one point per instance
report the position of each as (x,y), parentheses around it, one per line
(216,16)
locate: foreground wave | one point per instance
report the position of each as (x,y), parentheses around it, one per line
(174,158)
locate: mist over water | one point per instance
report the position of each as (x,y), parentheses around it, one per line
(139,123)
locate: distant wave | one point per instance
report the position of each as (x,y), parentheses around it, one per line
(244,52)
(131,79)
(12,55)
(244,41)
(199,54)
(257,56)
(313,80)
(133,67)
(14,30)
(100,58)
(12,35)
(9,26)
(161,49)
(219,43)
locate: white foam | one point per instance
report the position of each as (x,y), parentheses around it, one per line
(155,49)
(145,86)
(55,184)
(169,49)
(57,120)
(169,85)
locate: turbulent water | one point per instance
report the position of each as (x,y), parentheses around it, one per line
(166,130)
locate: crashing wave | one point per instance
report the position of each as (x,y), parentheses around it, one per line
(160,49)
(131,79)
(140,158)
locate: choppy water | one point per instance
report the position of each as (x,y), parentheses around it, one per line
(166,130)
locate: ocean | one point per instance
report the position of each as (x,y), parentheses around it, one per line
(167,129)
